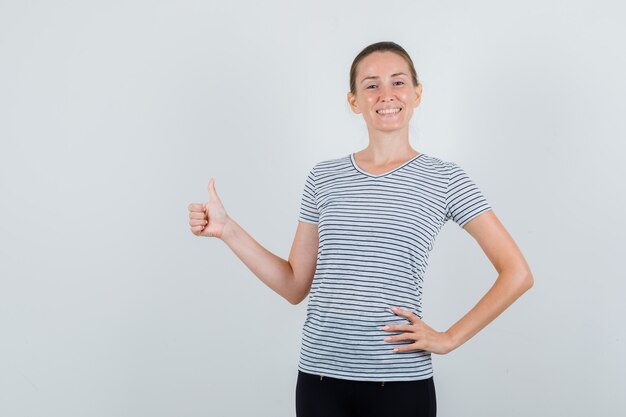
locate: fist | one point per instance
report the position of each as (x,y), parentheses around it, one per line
(208,219)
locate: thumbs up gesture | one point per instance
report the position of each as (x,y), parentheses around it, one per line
(208,219)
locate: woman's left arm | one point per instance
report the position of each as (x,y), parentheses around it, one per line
(514,279)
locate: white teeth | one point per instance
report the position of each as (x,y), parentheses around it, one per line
(387,111)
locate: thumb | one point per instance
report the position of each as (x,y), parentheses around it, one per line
(212,193)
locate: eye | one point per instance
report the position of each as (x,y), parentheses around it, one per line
(371,85)
(401,82)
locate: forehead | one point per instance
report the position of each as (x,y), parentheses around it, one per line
(382,63)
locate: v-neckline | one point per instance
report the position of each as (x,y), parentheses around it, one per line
(358,168)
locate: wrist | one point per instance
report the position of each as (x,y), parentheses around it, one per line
(228,230)
(451,341)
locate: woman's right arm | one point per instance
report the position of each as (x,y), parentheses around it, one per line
(291,278)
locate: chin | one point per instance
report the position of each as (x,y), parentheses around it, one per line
(390,128)
(387,127)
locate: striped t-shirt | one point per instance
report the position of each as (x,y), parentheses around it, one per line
(375,235)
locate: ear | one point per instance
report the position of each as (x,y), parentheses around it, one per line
(353,104)
(418,94)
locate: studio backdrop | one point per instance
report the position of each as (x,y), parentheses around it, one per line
(114,115)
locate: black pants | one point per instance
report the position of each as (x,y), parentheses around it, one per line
(332,397)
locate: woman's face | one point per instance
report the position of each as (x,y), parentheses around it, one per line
(383,82)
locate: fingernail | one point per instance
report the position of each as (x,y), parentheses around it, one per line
(386,328)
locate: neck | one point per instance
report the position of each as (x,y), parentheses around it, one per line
(386,147)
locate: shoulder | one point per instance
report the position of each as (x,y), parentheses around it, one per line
(331,165)
(439,166)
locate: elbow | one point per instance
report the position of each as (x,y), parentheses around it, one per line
(519,280)
(299,299)
(531,280)
(295,299)
(298,292)
(526,280)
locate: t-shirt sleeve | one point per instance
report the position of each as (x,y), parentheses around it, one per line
(464,200)
(308,203)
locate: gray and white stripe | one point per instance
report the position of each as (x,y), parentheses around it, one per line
(375,235)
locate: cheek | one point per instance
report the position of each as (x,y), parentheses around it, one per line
(407,96)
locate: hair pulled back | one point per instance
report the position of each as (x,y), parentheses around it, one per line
(384,46)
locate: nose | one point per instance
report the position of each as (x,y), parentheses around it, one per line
(386,92)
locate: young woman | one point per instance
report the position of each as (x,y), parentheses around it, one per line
(367,223)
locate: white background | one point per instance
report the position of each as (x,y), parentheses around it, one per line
(115,114)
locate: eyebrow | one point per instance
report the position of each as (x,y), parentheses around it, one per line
(376,76)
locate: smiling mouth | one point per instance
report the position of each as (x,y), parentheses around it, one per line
(388,112)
